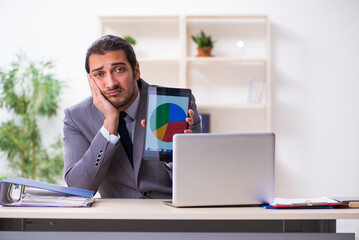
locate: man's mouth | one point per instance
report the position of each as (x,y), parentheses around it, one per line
(114,92)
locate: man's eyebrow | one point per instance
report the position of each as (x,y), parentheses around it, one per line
(118,63)
(113,64)
(96,69)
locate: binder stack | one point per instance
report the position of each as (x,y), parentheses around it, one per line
(22,192)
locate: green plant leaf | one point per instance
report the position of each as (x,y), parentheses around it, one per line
(28,91)
(202,40)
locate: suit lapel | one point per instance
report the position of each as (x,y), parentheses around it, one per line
(139,139)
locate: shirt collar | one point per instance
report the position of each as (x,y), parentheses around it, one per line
(132,109)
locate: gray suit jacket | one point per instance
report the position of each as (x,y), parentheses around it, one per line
(91,162)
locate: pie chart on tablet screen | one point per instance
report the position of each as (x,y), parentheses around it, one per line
(167,120)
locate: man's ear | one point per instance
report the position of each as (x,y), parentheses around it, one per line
(137,71)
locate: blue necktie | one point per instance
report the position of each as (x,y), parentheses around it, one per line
(125,137)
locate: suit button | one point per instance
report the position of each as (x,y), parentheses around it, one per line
(100,151)
(96,164)
(147,193)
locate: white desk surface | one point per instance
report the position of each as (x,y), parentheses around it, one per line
(155,209)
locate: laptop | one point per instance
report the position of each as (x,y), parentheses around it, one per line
(223,169)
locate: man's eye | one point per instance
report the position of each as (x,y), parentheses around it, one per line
(119,69)
(98,74)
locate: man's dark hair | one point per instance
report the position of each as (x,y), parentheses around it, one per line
(111,43)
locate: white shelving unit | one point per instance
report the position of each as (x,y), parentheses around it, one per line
(222,83)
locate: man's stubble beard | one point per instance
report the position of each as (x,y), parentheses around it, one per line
(127,99)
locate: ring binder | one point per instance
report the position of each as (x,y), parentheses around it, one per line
(18,191)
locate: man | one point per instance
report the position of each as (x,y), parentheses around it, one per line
(97,156)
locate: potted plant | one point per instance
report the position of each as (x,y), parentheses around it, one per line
(29,92)
(204,44)
(130,39)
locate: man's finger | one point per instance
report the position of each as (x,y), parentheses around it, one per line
(189,121)
(95,90)
(191,113)
(187,131)
(92,85)
(143,122)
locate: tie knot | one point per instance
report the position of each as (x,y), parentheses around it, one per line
(123,115)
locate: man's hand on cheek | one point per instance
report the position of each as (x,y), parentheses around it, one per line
(103,105)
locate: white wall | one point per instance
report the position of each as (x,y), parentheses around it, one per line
(315,74)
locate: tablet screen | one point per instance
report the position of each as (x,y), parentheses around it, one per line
(167,109)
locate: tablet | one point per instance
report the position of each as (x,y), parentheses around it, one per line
(167,110)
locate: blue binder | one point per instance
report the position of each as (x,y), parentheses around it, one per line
(6,185)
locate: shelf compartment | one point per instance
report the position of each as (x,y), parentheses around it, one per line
(157,37)
(224,83)
(226,32)
(227,119)
(153,72)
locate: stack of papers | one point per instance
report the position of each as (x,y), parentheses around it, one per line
(304,202)
(33,197)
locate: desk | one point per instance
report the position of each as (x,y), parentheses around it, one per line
(145,215)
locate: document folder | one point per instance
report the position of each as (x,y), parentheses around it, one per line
(18,191)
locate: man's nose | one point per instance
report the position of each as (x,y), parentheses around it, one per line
(111,81)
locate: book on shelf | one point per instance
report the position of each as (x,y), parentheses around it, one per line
(256,91)
(22,192)
(205,122)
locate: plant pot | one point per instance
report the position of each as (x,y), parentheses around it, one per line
(204,52)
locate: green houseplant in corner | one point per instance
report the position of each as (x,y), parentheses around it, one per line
(204,44)
(29,92)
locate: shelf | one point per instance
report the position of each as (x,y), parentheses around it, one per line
(206,60)
(221,84)
(226,59)
(131,18)
(157,60)
(228,19)
(243,106)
